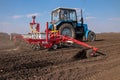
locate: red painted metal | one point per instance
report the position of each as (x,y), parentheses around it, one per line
(38,27)
(46,31)
(80,43)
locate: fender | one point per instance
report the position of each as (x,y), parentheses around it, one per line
(86,30)
(50,26)
(86,34)
(64,21)
(60,23)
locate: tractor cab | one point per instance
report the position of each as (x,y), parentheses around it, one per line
(64,14)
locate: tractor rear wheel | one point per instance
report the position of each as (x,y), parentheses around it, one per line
(91,36)
(67,30)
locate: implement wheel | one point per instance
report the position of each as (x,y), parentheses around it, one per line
(36,47)
(67,30)
(85,53)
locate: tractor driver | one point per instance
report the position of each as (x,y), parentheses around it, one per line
(63,15)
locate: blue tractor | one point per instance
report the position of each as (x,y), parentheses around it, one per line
(65,20)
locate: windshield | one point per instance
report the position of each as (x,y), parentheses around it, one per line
(55,15)
(68,15)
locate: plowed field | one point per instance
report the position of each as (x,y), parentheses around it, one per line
(61,64)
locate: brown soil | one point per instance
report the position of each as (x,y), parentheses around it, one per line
(61,64)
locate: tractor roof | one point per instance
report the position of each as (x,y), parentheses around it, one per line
(59,8)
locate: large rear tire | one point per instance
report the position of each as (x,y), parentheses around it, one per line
(91,36)
(67,30)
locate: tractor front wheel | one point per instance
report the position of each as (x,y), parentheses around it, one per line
(91,36)
(67,30)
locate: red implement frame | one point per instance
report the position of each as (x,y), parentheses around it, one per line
(55,38)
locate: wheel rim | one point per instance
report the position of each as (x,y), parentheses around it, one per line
(66,32)
(54,46)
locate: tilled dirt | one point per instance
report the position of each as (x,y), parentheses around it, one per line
(61,64)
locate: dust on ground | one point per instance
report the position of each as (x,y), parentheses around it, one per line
(61,64)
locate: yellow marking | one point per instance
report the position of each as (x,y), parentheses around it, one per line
(54,31)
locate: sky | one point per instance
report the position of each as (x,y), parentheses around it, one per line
(99,15)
